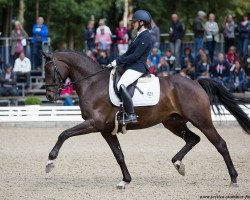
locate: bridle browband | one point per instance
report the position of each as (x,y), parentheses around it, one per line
(58,76)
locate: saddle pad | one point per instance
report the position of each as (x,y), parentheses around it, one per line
(150,89)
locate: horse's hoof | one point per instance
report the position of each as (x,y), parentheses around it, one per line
(121,185)
(49,166)
(232,184)
(180,167)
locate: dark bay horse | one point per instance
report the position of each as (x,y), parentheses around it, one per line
(181,100)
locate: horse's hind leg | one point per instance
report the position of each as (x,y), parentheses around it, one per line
(81,129)
(177,126)
(113,143)
(221,146)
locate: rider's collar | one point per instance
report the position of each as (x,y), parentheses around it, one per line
(139,32)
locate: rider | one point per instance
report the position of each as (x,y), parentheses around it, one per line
(135,61)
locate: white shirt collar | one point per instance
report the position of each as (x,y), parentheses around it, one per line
(139,32)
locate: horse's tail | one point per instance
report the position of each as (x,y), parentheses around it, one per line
(218,95)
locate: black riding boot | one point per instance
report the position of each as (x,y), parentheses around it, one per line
(128,105)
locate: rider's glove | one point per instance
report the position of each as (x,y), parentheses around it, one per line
(112,64)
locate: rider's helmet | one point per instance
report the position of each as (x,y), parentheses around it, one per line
(142,15)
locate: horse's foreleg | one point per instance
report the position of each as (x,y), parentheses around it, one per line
(180,129)
(81,129)
(113,143)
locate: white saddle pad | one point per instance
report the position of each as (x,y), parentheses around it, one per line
(149,86)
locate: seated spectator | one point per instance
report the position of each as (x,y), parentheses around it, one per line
(203,67)
(246,65)
(151,67)
(22,69)
(103,25)
(238,79)
(187,64)
(231,56)
(155,56)
(170,59)
(89,35)
(90,54)
(163,68)
(103,40)
(8,82)
(122,38)
(198,57)
(220,70)
(66,92)
(103,59)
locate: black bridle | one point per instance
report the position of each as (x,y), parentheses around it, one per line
(57,75)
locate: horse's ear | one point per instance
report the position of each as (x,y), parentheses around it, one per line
(46,55)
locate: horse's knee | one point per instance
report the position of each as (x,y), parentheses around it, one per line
(222,147)
(63,136)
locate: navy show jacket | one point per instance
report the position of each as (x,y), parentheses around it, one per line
(136,56)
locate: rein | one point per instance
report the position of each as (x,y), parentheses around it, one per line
(59,76)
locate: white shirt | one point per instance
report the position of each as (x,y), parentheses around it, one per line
(106,30)
(23,66)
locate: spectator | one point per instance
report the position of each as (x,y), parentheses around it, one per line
(18,38)
(40,33)
(231,56)
(220,70)
(199,30)
(229,32)
(203,67)
(151,67)
(163,68)
(22,69)
(103,59)
(8,82)
(187,64)
(244,34)
(155,56)
(155,35)
(89,35)
(90,54)
(246,65)
(238,81)
(66,92)
(122,38)
(102,25)
(176,33)
(170,61)
(198,57)
(103,40)
(212,35)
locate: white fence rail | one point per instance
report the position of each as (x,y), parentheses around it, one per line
(69,113)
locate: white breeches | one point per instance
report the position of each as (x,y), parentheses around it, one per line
(128,78)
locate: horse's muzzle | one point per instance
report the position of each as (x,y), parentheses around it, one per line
(51,96)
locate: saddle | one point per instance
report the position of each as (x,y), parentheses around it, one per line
(119,71)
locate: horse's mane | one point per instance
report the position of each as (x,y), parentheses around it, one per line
(81,54)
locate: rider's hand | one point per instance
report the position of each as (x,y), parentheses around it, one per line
(112,64)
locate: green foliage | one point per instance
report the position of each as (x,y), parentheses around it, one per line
(32,100)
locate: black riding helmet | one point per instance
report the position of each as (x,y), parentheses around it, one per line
(142,15)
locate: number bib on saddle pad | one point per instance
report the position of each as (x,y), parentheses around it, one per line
(150,87)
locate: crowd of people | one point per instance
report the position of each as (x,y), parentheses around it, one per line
(231,69)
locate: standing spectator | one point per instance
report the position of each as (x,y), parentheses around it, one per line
(212,35)
(199,30)
(40,33)
(155,56)
(176,32)
(122,38)
(66,92)
(103,40)
(229,32)
(231,56)
(244,34)
(8,82)
(155,35)
(89,35)
(170,61)
(246,65)
(103,25)
(22,69)
(187,63)
(18,38)
(238,79)
(220,70)
(163,68)
(203,67)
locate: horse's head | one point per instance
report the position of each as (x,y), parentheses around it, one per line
(55,76)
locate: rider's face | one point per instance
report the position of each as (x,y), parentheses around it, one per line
(135,24)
